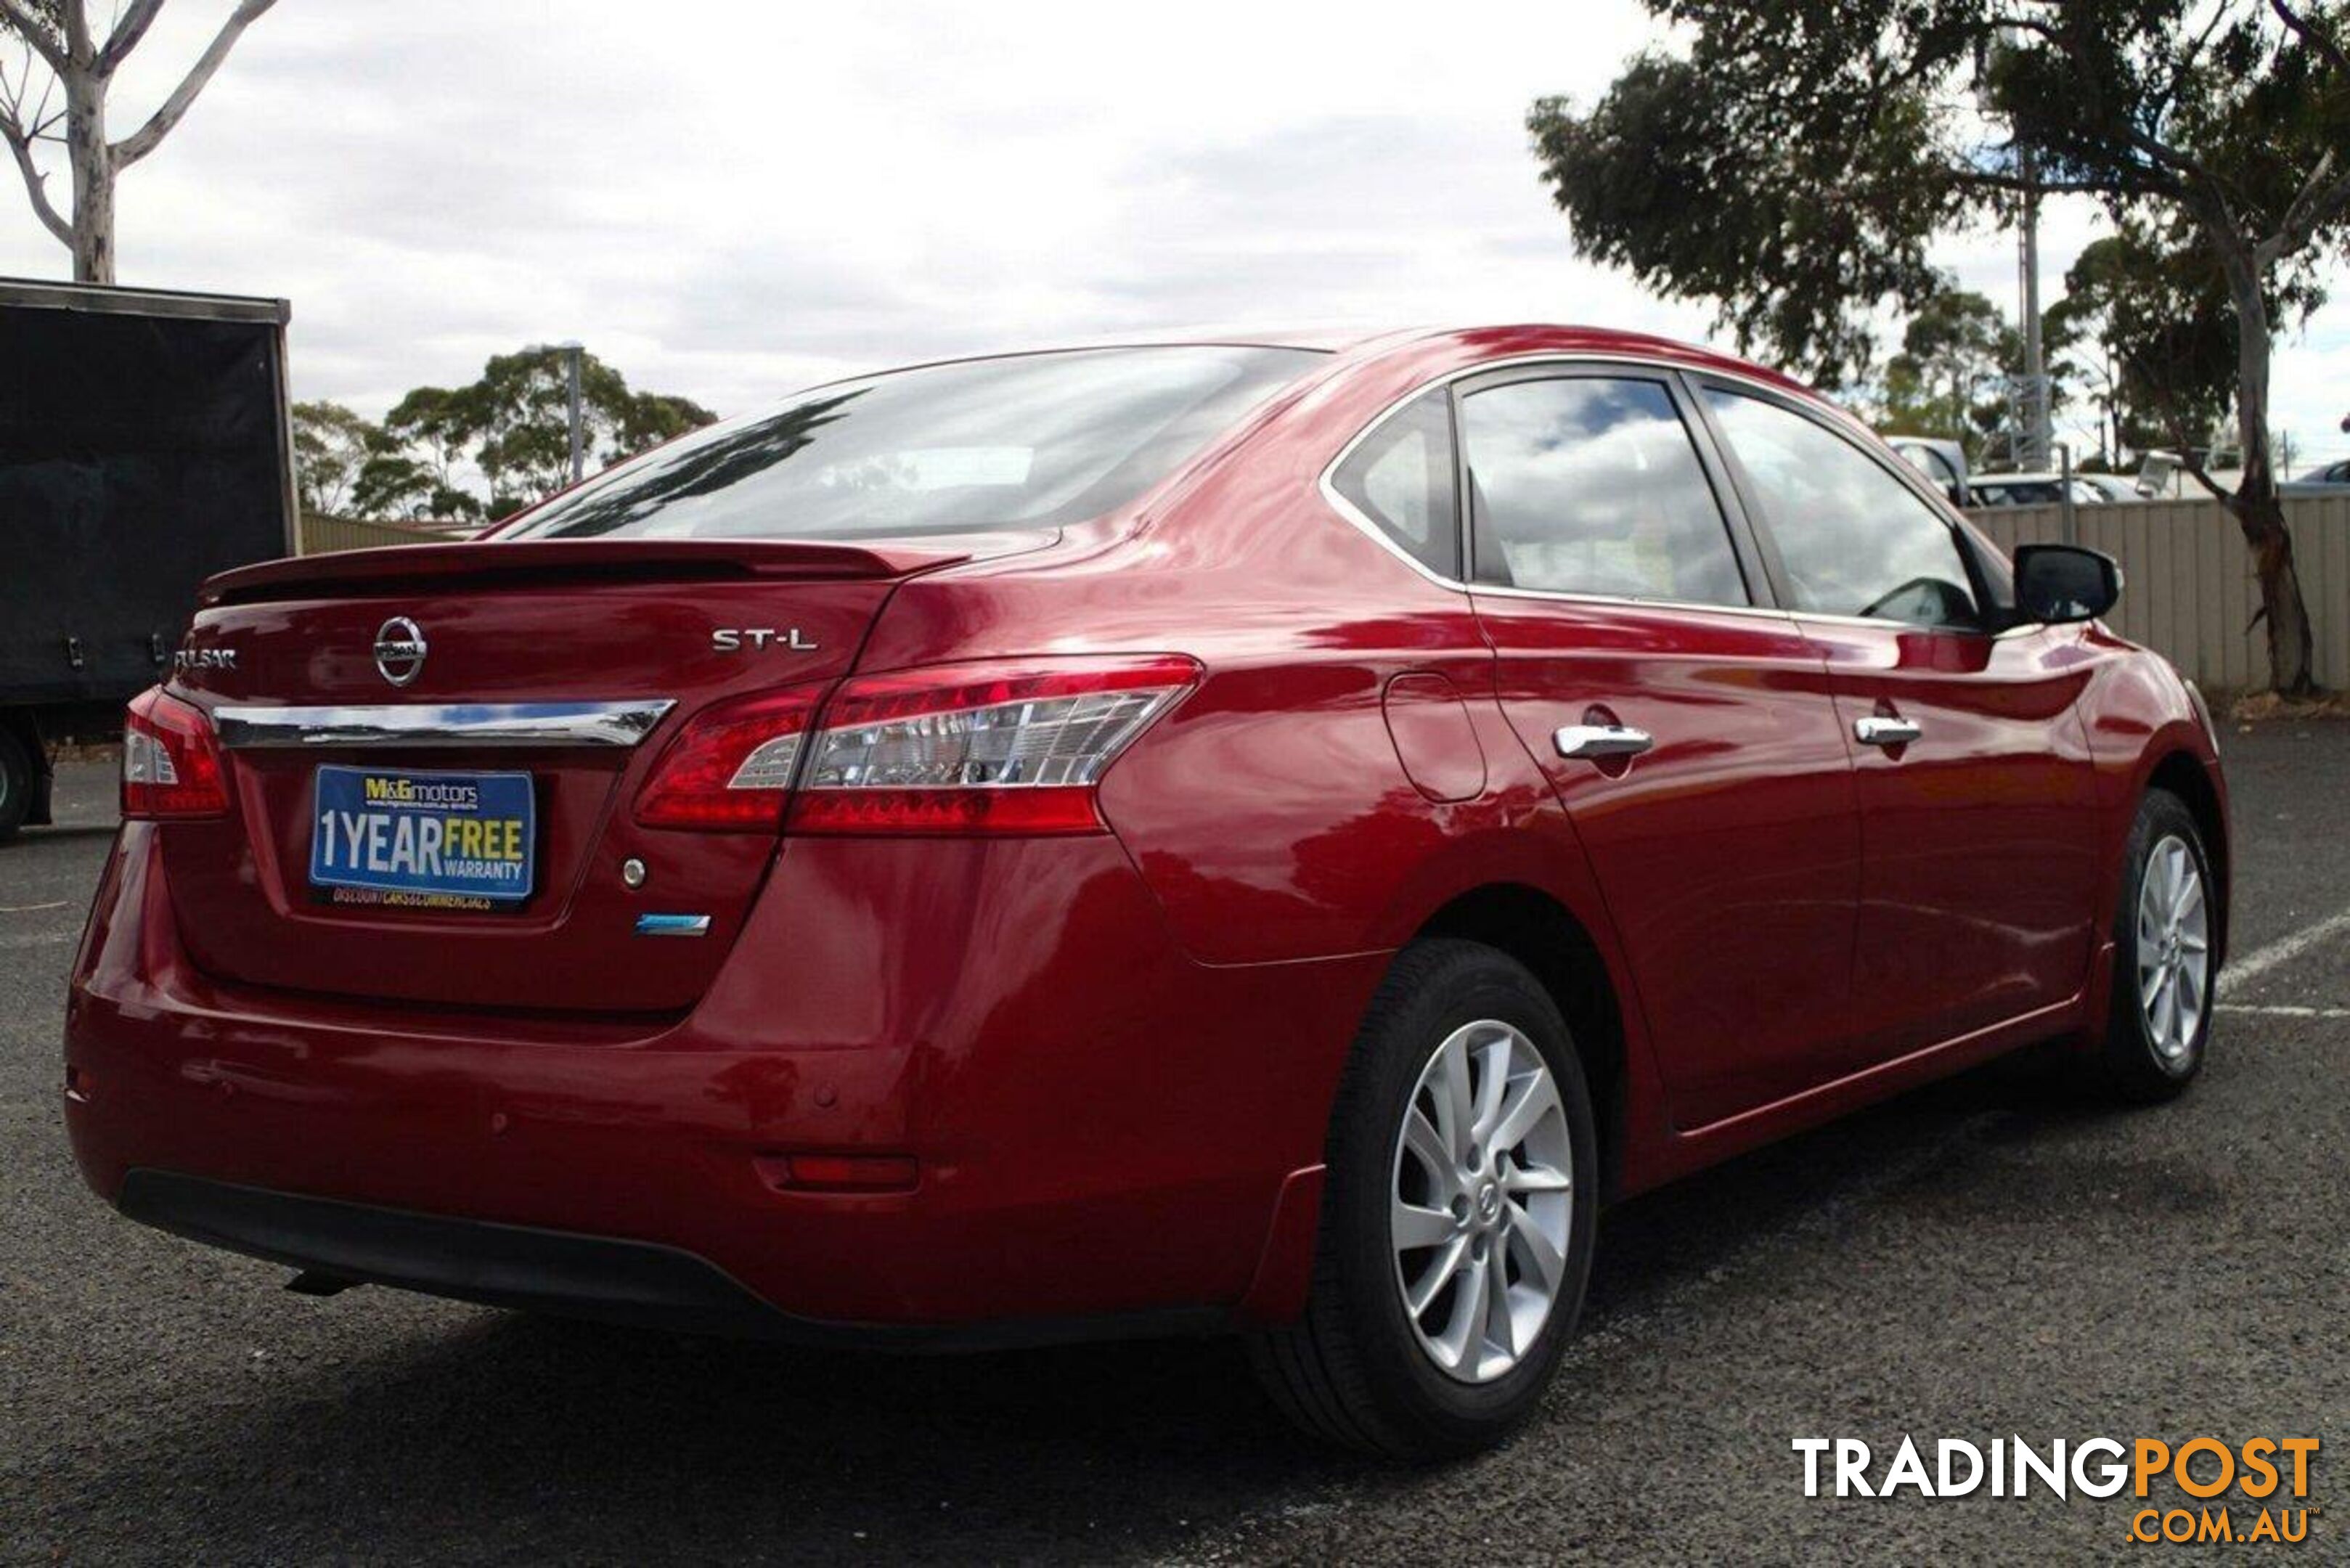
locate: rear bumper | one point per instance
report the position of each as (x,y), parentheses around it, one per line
(637,1283)
(1063,1078)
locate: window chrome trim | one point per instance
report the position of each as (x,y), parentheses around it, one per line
(1621,601)
(442,724)
(1379,536)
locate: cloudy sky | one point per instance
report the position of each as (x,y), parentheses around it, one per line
(742,198)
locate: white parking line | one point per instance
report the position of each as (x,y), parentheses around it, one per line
(2282,1010)
(2254,964)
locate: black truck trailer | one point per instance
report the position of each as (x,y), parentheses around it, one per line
(145,445)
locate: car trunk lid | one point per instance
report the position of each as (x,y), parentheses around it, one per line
(439,668)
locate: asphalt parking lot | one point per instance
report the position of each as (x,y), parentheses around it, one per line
(1980,1259)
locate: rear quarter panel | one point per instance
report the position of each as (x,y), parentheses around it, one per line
(1270,814)
(1271,810)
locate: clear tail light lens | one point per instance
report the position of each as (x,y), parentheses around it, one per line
(171,761)
(730,768)
(980,748)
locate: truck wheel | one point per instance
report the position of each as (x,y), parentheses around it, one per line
(1458,1215)
(16,783)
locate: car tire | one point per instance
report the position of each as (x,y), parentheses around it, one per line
(1360,1368)
(18,779)
(2158,1021)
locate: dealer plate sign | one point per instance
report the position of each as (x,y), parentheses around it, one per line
(422,840)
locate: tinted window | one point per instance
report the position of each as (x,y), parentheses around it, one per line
(1035,440)
(1402,478)
(2022,493)
(1854,539)
(1588,484)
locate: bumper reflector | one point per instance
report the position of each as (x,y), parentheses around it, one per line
(840,1172)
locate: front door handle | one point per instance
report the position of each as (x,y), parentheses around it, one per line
(1877,730)
(1602,741)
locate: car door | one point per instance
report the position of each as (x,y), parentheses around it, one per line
(1685,727)
(1978,808)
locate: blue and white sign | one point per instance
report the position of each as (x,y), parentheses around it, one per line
(427,840)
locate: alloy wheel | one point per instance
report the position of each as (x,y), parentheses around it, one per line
(2174,951)
(1481,1201)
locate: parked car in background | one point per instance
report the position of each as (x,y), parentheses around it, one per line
(1943,463)
(2110,487)
(2032,490)
(2326,476)
(1210,837)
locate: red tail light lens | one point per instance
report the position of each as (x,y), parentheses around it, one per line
(170,762)
(731,767)
(954,750)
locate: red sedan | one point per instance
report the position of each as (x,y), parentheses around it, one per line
(1219,837)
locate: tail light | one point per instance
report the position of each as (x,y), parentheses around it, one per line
(170,763)
(731,767)
(952,750)
(1010,747)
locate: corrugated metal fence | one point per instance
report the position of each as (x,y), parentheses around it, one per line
(321,534)
(2187,589)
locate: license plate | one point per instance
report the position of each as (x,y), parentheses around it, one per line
(422,840)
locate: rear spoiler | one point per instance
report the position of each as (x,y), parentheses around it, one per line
(404,568)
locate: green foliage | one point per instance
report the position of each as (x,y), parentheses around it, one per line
(2156,311)
(512,428)
(331,444)
(1949,378)
(1794,165)
(1773,213)
(1960,359)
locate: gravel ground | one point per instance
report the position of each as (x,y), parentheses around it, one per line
(1976,1260)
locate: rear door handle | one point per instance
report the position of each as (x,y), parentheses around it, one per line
(1882,731)
(1602,741)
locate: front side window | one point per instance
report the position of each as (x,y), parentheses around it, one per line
(1590,484)
(1402,478)
(1854,539)
(1030,440)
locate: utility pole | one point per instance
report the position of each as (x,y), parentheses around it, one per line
(2037,435)
(571,352)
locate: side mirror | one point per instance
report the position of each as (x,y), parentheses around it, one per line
(2058,583)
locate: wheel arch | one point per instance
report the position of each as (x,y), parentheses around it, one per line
(2182,773)
(1542,933)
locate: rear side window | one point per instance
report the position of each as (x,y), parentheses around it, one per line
(1030,440)
(1402,478)
(1590,484)
(1853,538)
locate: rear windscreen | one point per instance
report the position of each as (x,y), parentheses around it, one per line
(1030,440)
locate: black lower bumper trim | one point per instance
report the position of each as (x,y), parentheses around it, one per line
(640,1283)
(471,1260)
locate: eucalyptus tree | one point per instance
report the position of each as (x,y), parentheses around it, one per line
(57,94)
(1794,160)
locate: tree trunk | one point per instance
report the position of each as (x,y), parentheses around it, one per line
(2291,663)
(93,176)
(2259,509)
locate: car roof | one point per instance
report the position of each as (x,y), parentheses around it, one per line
(1348,337)
(1465,345)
